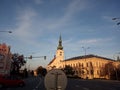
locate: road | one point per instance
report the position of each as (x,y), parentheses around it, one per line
(37,83)
(80,84)
(32,83)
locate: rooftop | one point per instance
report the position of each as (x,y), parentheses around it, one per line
(87,56)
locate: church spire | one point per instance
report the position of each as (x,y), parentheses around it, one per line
(60,44)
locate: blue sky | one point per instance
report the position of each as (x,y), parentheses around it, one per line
(37,24)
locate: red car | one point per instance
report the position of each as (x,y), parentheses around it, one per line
(10,82)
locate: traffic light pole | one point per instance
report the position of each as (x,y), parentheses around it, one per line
(31,57)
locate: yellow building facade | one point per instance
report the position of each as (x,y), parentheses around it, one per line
(87,66)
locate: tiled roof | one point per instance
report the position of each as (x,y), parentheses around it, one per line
(87,56)
(82,57)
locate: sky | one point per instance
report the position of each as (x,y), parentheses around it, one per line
(36,26)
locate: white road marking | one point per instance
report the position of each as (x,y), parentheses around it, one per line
(85,88)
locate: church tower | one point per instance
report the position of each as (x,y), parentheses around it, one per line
(60,51)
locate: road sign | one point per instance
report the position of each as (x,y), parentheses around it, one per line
(55,80)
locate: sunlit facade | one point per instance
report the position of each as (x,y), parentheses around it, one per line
(87,66)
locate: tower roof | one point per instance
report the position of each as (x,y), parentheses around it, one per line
(60,47)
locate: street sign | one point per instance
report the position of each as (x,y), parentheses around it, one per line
(55,80)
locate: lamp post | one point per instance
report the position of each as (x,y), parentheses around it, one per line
(7,31)
(116,56)
(115,68)
(85,49)
(117,20)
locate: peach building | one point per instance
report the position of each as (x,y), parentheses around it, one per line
(5,59)
(87,66)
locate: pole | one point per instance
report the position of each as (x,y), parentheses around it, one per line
(6,31)
(85,51)
(85,59)
(56,80)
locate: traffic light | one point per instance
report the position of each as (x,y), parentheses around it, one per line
(45,57)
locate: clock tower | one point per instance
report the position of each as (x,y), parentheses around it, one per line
(60,52)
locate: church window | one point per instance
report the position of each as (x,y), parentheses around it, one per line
(60,53)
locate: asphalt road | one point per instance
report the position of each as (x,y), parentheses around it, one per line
(37,83)
(80,84)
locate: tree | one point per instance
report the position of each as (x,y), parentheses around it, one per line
(118,72)
(42,71)
(108,69)
(68,70)
(17,62)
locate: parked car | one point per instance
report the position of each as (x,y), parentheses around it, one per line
(6,81)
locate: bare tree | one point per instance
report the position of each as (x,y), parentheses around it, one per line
(108,69)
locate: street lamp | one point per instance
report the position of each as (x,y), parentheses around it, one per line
(85,48)
(116,56)
(117,20)
(115,68)
(6,31)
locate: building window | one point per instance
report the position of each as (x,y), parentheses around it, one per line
(97,72)
(96,64)
(76,65)
(79,65)
(82,65)
(86,64)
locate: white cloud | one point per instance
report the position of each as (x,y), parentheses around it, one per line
(97,45)
(108,18)
(23,29)
(97,41)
